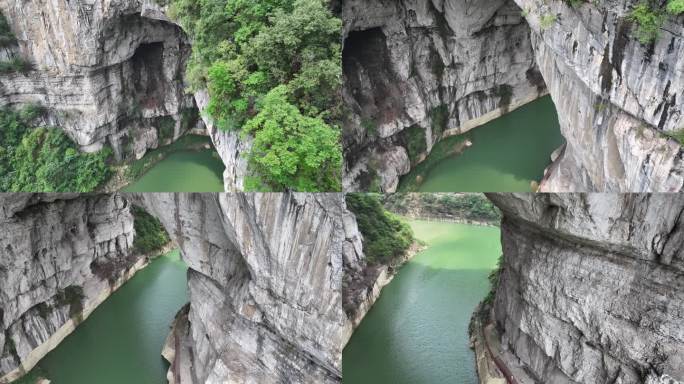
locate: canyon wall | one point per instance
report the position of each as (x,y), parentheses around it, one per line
(264,284)
(615,97)
(419,70)
(62,255)
(111,74)
(108,73)
(591,288)
(264,279)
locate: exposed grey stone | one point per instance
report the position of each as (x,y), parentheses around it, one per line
(109,73)
(587,293)
(404,60)
(614,96)
(265,285)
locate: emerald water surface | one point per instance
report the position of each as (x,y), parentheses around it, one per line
(121,341)
(183,171)
(507,154)
(417,332)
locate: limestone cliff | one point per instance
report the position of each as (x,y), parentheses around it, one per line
(264,283)
(109,73)
(591,289)
(419,70)
(264,279)
(61,256)
(615,97)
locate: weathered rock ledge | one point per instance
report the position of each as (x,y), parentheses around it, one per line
(591,288)
(64,255)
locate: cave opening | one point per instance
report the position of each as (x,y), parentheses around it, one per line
(148,74)
(369,78)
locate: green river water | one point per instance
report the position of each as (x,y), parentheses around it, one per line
(417,331)
(183,171)
(507,154)
(121,342)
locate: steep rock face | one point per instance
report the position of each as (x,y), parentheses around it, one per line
(264,282)
(419,70)
(109,73)
(230,147)
(615,97)
(591,289)
(61,256)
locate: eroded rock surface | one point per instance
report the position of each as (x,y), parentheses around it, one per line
(61,256)
(615,97)
(265,286)
(591,289)
(418,70)
(109,73)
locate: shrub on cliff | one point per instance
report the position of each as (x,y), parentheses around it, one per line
(675,7)
(44,159)
(648,20)
(6,35)
(385,236)
(150,234)
(243,50)
(291,150)
(649,17)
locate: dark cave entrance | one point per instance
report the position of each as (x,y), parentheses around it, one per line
(370,80)
(148,74)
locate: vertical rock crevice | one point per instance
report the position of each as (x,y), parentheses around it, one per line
(264,283)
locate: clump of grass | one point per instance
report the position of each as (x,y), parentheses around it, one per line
(677,135)
(675,7)
(546,21)
(16,64)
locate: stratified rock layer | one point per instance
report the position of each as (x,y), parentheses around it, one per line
(615,97)
(591,289)
(418,70)
(265,286)
(61,256)
(109,73)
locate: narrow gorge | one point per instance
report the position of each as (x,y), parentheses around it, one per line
(113,75)
(588,290)
(429,69)
(264,280)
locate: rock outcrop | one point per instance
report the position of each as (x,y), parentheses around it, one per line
(419,70)
(591,289)
(62,255)
(615,97)
(264,284)
(108,73)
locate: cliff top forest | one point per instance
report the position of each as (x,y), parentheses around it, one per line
(273,71)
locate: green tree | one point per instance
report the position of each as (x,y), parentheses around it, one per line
(291,150)
(245,50)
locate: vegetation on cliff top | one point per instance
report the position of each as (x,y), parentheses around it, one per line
(649,16)
(273,71)
(466,206)
(44,159)
(385,236)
